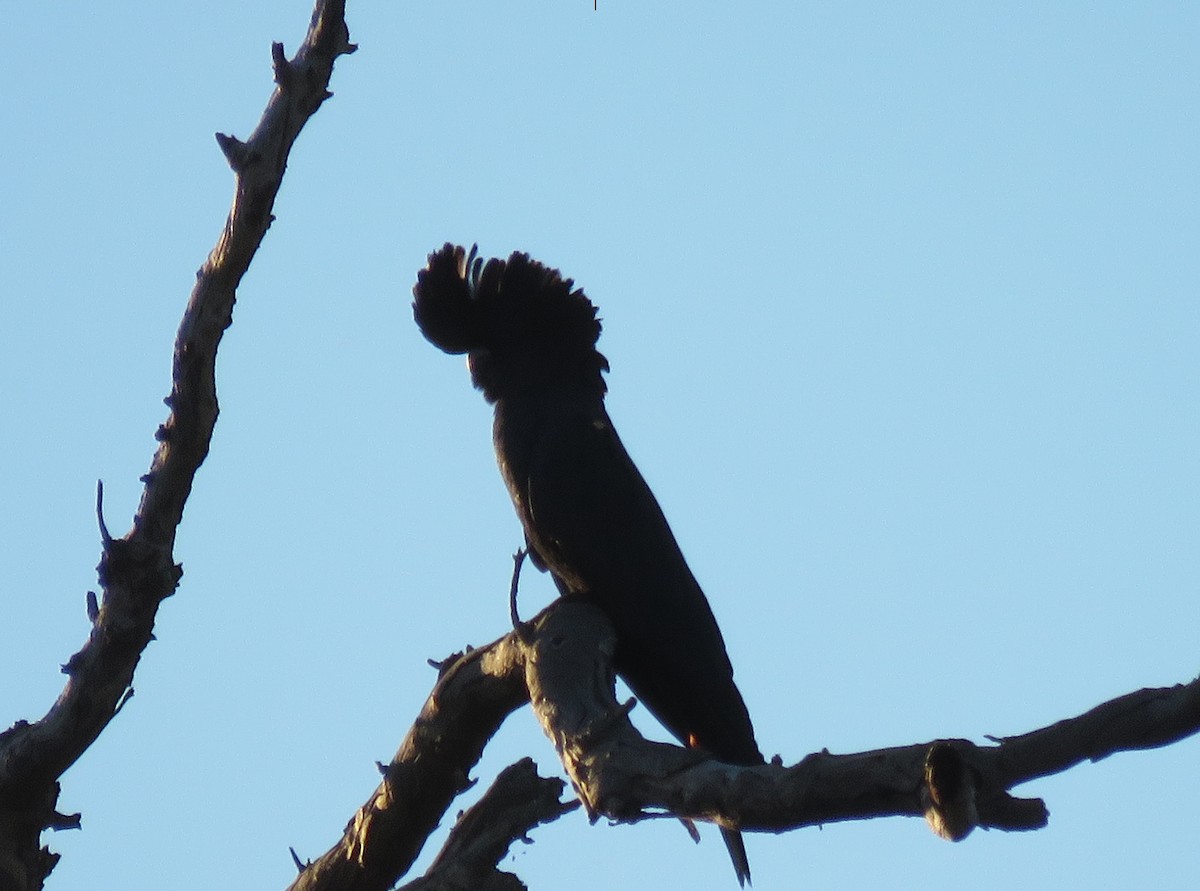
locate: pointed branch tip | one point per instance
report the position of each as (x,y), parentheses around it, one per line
(237,153)
(285,71)
(104,536)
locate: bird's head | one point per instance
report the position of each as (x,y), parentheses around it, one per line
(520,323)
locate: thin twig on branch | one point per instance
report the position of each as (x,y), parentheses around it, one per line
(138,571)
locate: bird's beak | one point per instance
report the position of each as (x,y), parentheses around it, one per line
(477,359)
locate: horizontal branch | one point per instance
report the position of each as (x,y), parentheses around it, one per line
(1144,719)
(955,784)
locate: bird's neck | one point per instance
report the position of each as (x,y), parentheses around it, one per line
(520,421)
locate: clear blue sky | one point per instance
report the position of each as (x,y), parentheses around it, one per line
(902,309)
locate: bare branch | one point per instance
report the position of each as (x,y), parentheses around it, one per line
(259,163)
(518,801)
(954,783)
(1144,719)
(561,661)
(474,693)
(138,571)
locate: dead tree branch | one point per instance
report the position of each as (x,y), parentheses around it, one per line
(956,784)
(138,571)
(475,692)
(518,801)
(561,662)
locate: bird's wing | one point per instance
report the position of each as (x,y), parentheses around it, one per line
(599,528)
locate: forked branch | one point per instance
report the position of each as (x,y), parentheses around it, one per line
(561,662)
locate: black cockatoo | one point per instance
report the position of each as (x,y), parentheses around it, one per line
(589,517)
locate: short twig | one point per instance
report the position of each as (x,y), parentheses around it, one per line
(104,536)
(522,630)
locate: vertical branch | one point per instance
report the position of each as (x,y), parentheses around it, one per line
(138,571)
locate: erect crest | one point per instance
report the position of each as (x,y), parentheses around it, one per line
(517,318)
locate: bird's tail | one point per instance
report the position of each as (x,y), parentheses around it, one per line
(737,853)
